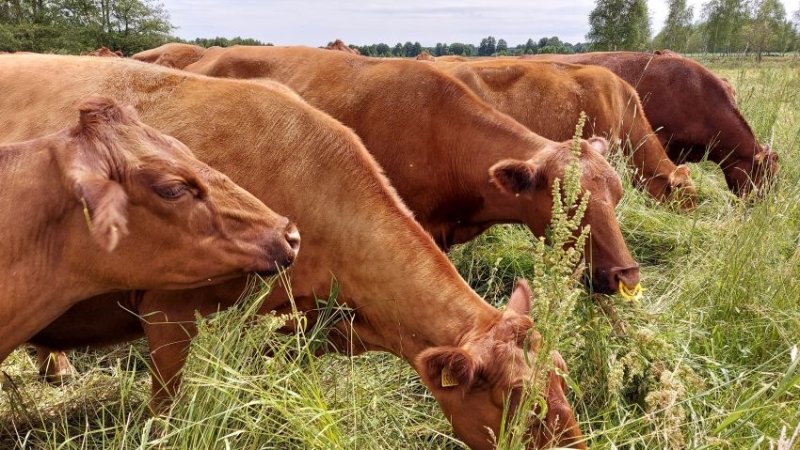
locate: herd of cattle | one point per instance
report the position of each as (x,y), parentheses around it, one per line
(380,163)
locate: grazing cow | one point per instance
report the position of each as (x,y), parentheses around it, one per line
(174,54)
(461,165)
(693,111)
(338,45)
(404,294)
(111,204)
(425,56)
(104,52)
(548,97)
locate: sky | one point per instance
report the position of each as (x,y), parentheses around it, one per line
(316,23)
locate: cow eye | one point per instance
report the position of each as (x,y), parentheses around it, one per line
(171,191)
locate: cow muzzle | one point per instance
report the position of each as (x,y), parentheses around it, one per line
(281,253)
(607,281)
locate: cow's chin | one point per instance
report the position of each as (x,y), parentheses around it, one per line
(177,286)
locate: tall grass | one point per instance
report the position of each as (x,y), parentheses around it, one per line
(708,359)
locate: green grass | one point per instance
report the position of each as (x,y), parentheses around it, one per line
(706,359)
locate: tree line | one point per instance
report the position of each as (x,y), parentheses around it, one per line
(721,26)
(489,46)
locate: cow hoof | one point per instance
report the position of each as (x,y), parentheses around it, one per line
(55,368)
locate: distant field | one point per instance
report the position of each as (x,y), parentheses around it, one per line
(708,359)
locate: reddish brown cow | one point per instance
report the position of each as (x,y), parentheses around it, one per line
(104,52)
(406,297)
(174,54)
(112,204)
(693,113)
(338,45)
(548,97)
(425,56)
(461,165)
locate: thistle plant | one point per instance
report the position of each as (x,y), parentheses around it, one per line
(557,268)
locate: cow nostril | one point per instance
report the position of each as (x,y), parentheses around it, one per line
(629,276)
(293,238)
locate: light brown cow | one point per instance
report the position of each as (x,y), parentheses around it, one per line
(548,97)
(340,46)
(112,204)
(174,54)
(405,295)
(461,165)
(693,112)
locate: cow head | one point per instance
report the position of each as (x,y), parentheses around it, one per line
(676,187)
(746,176)
(529,185)
(161,217)
(474,382)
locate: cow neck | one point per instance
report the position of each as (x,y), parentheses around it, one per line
(406,294)
(495,137)
(36,261)
(737,141)
(422,303)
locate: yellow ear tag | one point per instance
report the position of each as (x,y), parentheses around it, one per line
(631,295)
(447,379)
(86,214)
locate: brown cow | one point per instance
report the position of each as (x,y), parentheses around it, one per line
(405,295)
(340,46)
(112,204)
(425,56)
(693,113)
(548,97)
(104,52)
(174,54)
(461,165)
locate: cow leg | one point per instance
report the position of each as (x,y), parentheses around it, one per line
(168,344)
(54,366)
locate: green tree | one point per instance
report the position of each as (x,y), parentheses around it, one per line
(487,47)
(383,50)
(619,25)
(766,26)
(724,21)
(416,49)
(457,48)
(502,47)
(678,26)
(530,47)
(72,26)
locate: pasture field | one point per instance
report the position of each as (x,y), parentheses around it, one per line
(707,360)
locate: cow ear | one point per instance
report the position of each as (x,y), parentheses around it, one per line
(598,144)
(104,201)
(446,367)
(520,301)
(100,112)
(681,177)
(515,176)
(105,208)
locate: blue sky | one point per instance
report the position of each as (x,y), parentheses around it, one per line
(315,23)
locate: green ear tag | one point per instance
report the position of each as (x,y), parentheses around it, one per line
(447,379)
